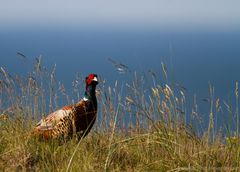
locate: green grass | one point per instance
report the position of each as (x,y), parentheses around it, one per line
(156,138)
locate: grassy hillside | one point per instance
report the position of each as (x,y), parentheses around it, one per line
(140,129)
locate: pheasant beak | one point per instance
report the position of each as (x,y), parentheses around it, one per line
(95,79)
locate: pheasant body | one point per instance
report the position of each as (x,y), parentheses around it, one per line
(73,119)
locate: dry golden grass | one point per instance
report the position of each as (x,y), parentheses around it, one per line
(157,149)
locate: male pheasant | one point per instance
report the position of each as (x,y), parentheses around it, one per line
(73,119)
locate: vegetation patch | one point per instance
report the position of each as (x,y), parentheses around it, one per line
(138,128)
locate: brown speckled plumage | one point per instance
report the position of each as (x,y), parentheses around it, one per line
(73,119)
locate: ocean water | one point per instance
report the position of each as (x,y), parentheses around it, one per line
(193,58)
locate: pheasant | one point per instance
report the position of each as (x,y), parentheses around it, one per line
(72,119)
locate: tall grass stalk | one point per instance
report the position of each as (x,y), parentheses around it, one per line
(237,114)
(211,133)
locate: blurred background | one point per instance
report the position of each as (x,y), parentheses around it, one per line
(198,41)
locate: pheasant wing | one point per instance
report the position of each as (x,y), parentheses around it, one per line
(55,124)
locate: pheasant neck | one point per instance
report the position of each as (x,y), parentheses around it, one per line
(90,93)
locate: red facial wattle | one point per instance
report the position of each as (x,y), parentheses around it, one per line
(90,78)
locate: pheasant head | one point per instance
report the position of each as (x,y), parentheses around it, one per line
(91,82)
(92,79)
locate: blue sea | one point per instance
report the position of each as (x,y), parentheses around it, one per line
(193,58)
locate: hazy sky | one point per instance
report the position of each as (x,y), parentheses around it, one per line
(182,13)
